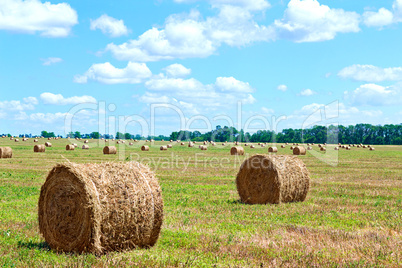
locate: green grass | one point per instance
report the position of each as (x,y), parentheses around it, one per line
(352,216)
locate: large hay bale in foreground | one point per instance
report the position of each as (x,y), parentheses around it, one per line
(272,150)
(299,150)
(99,208)
(39,148)
(109,150)
(6,152)
(272,179)
(70,147)
(237,150)
(144,148)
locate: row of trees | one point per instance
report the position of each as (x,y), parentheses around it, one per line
(360,133)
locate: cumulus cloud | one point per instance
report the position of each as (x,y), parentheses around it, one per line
(16,105)
(230,84)
(109,26)
(50,61)
(177,70)
(282,88)
(106,73)
(370,73)
(307,92)
(58,99)
(246,4)
(383,16)
(50,20)
(191,36)
(309,21)
(375,95)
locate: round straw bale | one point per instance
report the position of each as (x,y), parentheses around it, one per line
(272,179)
(309,148)
(48,144)
(237,150)
(35,140)
(323,149)
(292,147)
(223,144)
(283,146)
(70,147)
(252,146)
(99,208)
(262,145)
(85,147)
(86,141)
(272,150)
(6,152)
(109,150)
(144,148)
(372,149)
(106,140)
(299,150)
(190,144)
(131,143)
(163,148)
(364,146)
(336,148)
(246,144)
(182,143)
(75,145)
(319,145)
(16,140)
(11,138)
(347,148)
(205,142)
(287,143)
(204,147)
(39,148)
(169,146)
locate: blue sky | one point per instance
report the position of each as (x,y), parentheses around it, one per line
(153,67)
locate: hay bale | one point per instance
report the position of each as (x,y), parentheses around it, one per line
(203,147)
(6,152)
(372,148)
(16,140)
(205,143)
(299,150)
(190,144)
(35,140)
(292,147)
(85,147)
(237,150)
(39,148)
(169,146)
(48,144)
(347,148)
(309,148)
(319,145)
(144,148)
(246,144)
(272,150)
(70,147)
(109,150)
(11,138)
(336,148)
(163,148)
(223,144)
(283,146)
(86,141)
(182,143)
(364,146)
(323,149)
(106,140)
(98,208)
(272,179)
(262,145)
(252,146)
(130,143)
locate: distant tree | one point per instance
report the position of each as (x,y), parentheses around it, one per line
(95,135)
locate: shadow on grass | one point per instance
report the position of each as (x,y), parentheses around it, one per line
(235,202)
(34,245)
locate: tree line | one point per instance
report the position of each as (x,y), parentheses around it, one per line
(360,133)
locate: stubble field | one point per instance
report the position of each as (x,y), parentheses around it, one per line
(352,216)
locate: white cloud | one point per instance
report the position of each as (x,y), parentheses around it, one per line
(307,92)
(246,4)
(51,20)
(16,105)
(191,36)
(50,61)
(177,70)
(106,73)
(282,88)
(109,26)
(58,99)
(309,21)
(267,110)
(378,19)
(230,84)
(370,73)
(375,95)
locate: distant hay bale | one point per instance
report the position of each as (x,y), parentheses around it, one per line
(252,146)
(49,139)
(86,141)
(48,144)
(347,148)
(144,148)
(70,147)
(118,142)
(272,179)
(6,152)
(85,147)
(190,144)
(292,147)
(11,138)
(372,148)
(163,148)
(106,140)
(364,146)
(16,140)
(336,148)
(299,150)
(323,149)
(205,143)
(75,145)
(309,148)
(169,146)
(109,150)
(98,208)
(223,144)
(39,148)
(237,150)
(35,140)
(283,146)
(287,143)
(171,140)
(213,143)
(131,143)
(24,139)
(272,150)
(204,147)
(246,144)
(319,145)
(182,143)
(358,146)
(262,145)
